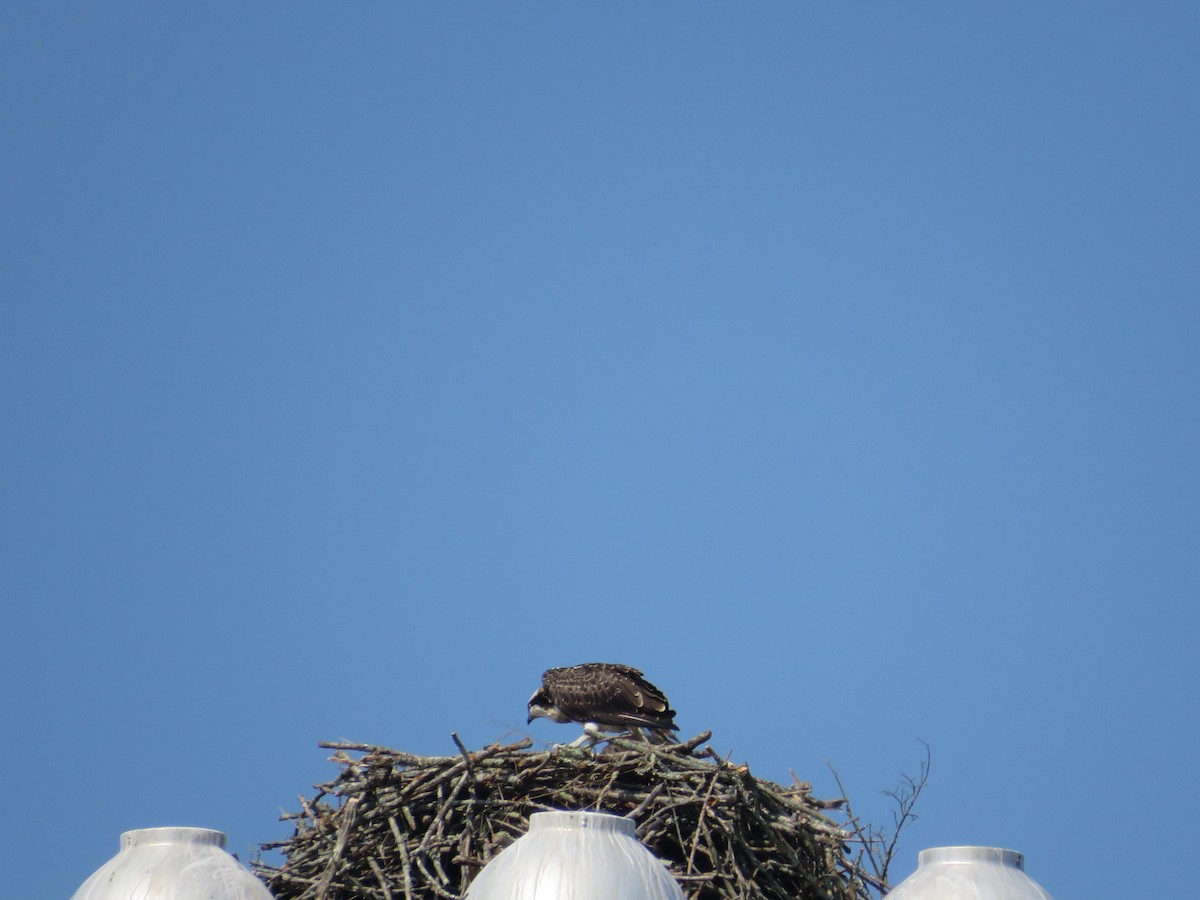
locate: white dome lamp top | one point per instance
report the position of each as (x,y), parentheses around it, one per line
(576,856)
(172,864)
(983,873)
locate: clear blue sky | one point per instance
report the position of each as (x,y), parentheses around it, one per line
(837,364)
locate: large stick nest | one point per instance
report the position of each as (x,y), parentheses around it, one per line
(393,825)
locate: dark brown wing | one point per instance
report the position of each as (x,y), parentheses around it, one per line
(608,694)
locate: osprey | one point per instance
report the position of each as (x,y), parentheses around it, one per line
(603,694)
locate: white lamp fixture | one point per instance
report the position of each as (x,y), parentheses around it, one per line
(576,855)
(172,864)
(969,873)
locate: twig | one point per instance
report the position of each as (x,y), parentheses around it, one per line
(465,755)
(339,846)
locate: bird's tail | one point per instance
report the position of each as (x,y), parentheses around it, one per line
(661,736)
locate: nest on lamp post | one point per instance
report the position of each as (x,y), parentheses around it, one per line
(395,825)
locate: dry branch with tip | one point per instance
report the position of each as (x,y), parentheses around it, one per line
(394,825)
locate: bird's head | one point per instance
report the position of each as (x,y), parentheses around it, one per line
(541,706)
